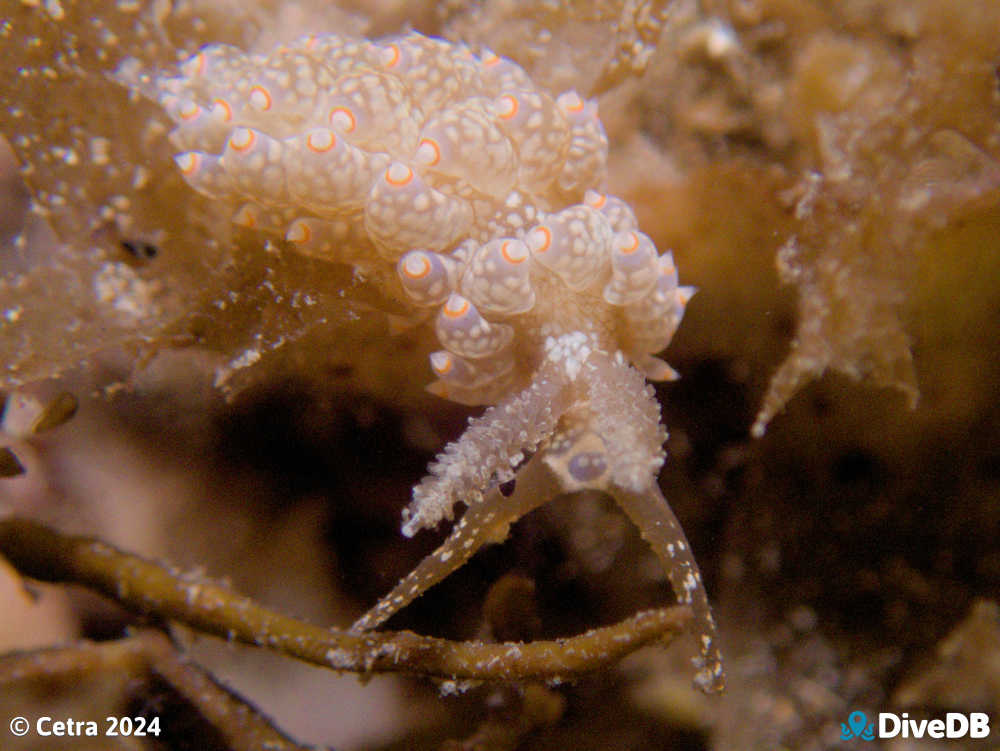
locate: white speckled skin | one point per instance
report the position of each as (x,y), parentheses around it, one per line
(634,267)
(484,193)
(575,244)
(497,277)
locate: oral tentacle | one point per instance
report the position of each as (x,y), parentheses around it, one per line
(489,449)
(651,513)
(482,524)
(625,413)
(624,421)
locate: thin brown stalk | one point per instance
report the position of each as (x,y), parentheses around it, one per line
(164,593)
(145,653)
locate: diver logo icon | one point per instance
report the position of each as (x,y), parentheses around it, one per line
(857,726)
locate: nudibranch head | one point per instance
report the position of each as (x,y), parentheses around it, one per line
(485,194)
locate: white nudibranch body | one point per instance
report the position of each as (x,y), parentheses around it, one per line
(484,193)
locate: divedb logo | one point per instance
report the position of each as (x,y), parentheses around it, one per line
(891,725)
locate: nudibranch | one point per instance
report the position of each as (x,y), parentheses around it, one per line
(483,192)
